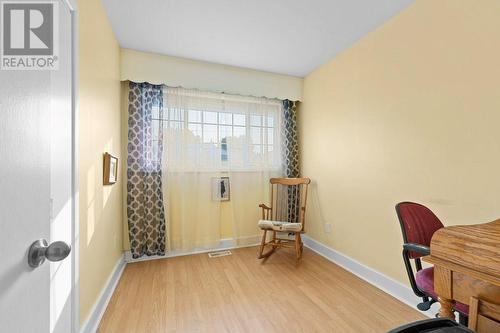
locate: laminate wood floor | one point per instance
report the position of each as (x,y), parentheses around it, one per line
(240,293)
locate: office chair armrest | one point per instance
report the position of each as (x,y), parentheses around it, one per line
(422,249)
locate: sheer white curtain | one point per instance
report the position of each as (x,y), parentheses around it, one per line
(211,135)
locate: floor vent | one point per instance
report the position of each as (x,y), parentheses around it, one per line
(217,254)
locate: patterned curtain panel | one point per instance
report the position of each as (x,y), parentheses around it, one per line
(290,151)
(145,209)
(290,140)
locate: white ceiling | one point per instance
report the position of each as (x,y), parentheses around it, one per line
(290,37)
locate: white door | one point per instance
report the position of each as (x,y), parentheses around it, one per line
(36,189)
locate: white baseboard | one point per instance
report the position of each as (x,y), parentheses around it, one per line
(224,244)
(377,279)
(92,323)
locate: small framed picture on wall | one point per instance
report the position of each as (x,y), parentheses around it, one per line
(110,169)
(220,189)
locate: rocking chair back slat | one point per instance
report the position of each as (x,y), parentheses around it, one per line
(288,199)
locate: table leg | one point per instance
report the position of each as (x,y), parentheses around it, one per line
(446,310)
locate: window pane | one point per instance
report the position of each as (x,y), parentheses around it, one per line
(255,155)
(239,119)
(218,135)
(210,133)
(194,116)
(223,152)
(271,154)
(192,152)
(225,118)
(155,127)
(257,149)
(155,112)
(270,121)
(270,136)
(239,131)
(210,117)
(225,132)
(255,120)
(154,150)
(256,135)
(176,114)
(176,124)
(195,129)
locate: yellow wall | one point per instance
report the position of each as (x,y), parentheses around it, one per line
(410,112)
(162,69)
(100,130)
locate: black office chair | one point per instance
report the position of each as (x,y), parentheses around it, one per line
(440,325)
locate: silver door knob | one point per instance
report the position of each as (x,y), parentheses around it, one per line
(41,250)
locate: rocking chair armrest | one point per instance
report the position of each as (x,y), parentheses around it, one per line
(263,206)
(422,249)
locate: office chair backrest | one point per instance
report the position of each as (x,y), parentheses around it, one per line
(418,224)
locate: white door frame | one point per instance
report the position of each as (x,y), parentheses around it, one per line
(75,253)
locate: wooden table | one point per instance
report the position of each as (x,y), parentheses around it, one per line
(466,263)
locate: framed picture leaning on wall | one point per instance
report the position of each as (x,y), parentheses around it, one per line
(221,189)
(110,169)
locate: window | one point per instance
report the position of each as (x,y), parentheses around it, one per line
(208,131)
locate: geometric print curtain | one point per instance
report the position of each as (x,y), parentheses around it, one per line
(290,151)
(290,140)
(145,209)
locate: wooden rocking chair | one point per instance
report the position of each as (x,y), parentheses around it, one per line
(286,214)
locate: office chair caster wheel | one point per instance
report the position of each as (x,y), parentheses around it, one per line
(424,306)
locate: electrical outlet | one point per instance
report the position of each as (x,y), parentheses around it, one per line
(328,227)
